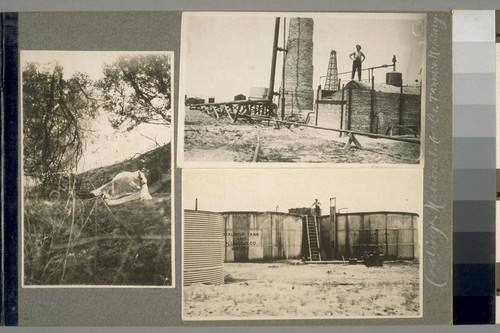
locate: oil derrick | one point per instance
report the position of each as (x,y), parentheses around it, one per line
(299,66)
(332,78)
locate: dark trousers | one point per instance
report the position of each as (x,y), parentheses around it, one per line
(356,65)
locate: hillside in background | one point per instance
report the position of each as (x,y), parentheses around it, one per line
(70,239)
(157,161)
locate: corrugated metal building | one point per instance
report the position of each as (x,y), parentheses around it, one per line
(262,236)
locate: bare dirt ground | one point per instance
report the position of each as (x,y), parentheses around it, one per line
(288,290)
(207,139)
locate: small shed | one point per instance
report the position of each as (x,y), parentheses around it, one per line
(240,97)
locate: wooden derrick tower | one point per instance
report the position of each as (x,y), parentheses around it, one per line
(332,79)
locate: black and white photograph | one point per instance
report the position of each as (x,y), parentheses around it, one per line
(302,243)
(96,157)
(341,88)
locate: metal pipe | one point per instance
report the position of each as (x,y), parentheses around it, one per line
(273,61)
(380,136)
(257,148)
(283,72)
(367,69)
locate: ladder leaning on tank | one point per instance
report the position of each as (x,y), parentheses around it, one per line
(313,238)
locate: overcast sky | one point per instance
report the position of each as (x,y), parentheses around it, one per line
(357,189)
(105,146)
(224,54)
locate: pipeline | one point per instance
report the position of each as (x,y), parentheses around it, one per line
(379,136)
(257,148)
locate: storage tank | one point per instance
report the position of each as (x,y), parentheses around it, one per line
(203,247)
(251,236)
(394,79)
(395,234)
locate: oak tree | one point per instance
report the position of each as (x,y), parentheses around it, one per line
(56,112)
(136,89)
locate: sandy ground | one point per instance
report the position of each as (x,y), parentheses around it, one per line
(285,290)
(207,139)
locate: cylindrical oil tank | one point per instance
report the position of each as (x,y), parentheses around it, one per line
(254,236)
(203,247)
(395,234)
(394,79)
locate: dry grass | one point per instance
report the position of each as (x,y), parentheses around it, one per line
(73,241)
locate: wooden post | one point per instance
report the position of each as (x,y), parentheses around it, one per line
(316,114)
(342,109)
(372,107)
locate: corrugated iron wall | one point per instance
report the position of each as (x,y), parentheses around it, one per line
(203,247)
(395,234)
(262,236)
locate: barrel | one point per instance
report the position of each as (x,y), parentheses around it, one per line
(203,247)
(394,79)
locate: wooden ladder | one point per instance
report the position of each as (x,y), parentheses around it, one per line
(312,238)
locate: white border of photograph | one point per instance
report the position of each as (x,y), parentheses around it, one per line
(108,54)
(279,183)
(184,66)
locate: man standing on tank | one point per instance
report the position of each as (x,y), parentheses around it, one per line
(357,58)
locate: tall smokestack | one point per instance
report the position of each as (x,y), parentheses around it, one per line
(299,65)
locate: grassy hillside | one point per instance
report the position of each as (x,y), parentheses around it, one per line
(157,161)
(73,241)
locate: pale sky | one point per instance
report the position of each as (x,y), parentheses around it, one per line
(358,189)
(106,146)
(224,54)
